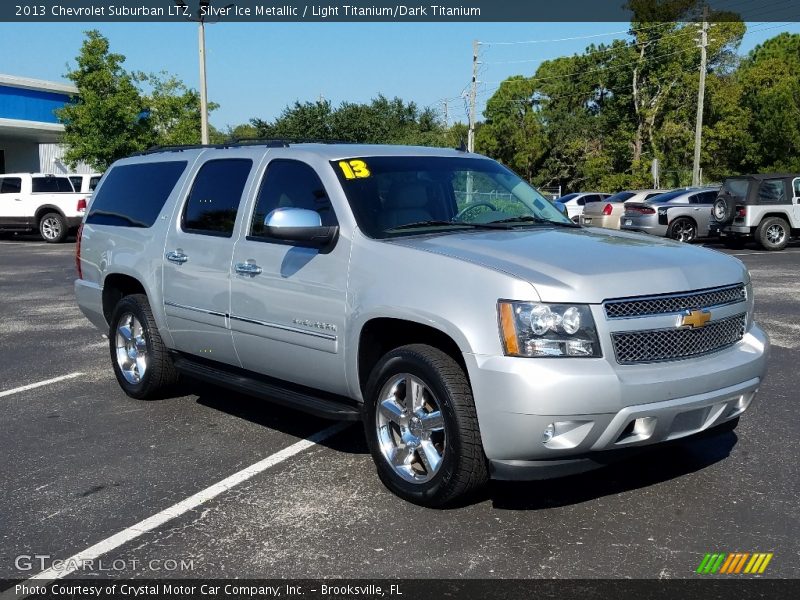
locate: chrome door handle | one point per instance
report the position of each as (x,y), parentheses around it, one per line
(247,268)
(177,256)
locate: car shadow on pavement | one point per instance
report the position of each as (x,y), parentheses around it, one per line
(274,416)
(652,466)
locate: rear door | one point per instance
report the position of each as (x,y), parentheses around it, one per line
(12,207)
(197,260)
(288,311)
(796,203)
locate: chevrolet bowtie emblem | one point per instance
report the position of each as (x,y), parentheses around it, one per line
(694,318)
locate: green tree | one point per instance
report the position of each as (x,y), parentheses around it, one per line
(173,110)
(108,119)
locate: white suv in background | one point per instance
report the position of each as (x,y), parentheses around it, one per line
(85,182)
(31,201)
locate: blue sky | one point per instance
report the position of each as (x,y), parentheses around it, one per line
(256,69)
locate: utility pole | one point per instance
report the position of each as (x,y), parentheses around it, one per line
(445,106)
(201,40)
(698,129)
(473,94)
(201,16)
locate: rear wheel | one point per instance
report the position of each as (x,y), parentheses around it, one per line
(682,230)
(421,427)
(773,233)
(53,228)
(141,361)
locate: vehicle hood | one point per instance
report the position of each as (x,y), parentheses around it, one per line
(588,265)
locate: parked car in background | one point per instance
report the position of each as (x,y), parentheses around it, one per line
(575,202)
(607,213)
(683,215)
(561,207)
(40,201)
(85,182)
(761,207)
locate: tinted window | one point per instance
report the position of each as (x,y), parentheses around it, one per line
(214,200)
(51,185)
(93,182)
(771,191)
(76,183)
(706,197)
(653,195)
(620,197)
(797,187)
(291,184)
(133,195)
(567,198)
(11,185)
(736,188)
(594,198)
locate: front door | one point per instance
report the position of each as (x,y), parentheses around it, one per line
(197,261)
(288,301)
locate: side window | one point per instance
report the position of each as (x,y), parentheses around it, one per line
(93,183)
(771,191)
(10,185)
(290,184)
(583,201)
(694,199)
(124,200)
(214,200)
(51,185)
(648,196)
(796,186)
(76,183)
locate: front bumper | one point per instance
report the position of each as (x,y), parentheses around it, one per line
(597,405)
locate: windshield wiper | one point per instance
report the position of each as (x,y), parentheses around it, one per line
(532,219)
(438,223)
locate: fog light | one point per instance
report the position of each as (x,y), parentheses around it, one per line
(548,433)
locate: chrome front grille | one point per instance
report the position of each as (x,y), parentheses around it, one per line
(674,303)
(655,345)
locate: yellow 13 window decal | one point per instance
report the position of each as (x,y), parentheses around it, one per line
(354,169)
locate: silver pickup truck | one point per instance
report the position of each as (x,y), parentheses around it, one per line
(431,293)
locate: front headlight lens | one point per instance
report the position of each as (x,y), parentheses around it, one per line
(537,329)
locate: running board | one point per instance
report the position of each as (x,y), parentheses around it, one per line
(320,404)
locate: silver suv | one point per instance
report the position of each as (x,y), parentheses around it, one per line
(432,293)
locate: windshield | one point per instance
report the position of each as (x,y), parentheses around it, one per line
(620,197)
(405,195)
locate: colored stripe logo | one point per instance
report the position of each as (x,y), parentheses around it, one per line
(735,563)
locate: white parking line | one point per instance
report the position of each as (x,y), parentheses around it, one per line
(782,253)
(33,386)
(134,531)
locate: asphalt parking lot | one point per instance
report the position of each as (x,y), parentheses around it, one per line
(82,462)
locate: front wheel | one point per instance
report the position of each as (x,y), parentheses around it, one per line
(421,426)
(141,361)
(53,228)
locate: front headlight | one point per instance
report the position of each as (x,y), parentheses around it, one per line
(537,329)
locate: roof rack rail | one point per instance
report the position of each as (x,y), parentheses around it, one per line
(240,142)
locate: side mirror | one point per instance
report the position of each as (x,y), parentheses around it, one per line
(299,225)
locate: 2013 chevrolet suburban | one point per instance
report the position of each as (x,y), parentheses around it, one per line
(431,293)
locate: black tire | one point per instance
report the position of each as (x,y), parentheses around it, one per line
(682,229)
(773,233)
(734,243)
(160,376)
(53,228)
(723,209)
(463,468)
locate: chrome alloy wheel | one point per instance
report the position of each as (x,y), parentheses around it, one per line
(775,234)
(131,349)
(410,428)
(51,228)
(683,232)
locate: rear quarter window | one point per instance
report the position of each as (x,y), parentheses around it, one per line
(133,195)
(51,185)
